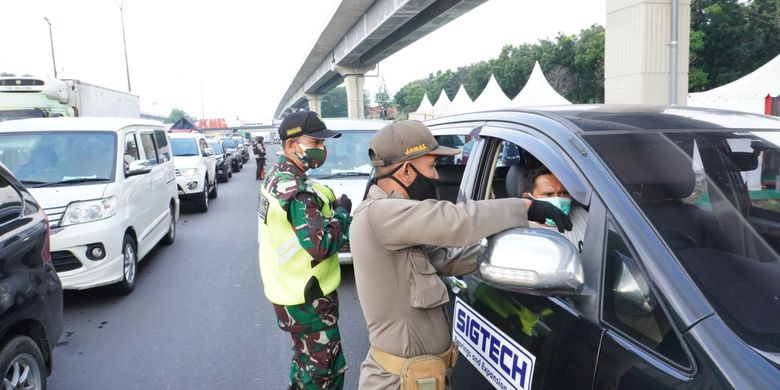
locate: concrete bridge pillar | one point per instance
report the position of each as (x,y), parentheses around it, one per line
(637,58)
(353,81)
(315,103)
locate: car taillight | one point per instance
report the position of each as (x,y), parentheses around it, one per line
(46,252)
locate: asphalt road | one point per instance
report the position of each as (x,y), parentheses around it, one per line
(198,318)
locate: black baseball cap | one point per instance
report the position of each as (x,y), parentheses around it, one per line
(305,123)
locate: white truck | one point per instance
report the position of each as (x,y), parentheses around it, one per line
(26,97)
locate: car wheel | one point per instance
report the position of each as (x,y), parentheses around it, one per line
(129,266)
(213,193)
(202,202)
(170,237)
(235,168)
(22,364)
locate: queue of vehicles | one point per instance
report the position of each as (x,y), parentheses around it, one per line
(672,284)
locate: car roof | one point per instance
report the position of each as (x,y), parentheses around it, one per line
(608,117)
(74,123)
(344,124)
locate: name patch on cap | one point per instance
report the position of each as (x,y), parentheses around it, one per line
(415,149)
(293,131)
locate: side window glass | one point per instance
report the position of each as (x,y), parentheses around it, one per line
(464,143)
(147,142)
(163,150)
(629,304)
(203,146)
(10,202)
(131,150)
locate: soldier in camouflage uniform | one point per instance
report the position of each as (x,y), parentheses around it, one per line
(301,228)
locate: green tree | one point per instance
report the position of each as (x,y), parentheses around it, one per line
(178,113)
(334,103)
(382,98)
(408,98)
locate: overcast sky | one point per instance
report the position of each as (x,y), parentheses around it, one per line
(235,58)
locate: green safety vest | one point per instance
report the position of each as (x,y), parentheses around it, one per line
(285,266)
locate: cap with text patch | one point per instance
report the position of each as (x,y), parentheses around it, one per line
(402,141)
(305,123)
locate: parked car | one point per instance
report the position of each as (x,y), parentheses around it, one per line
(674,282)
(347,167)
(30,291)
(107,186)
(233,151)
(196,168)
(243,149)
(223,162)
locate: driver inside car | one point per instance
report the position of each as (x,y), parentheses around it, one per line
(539,183)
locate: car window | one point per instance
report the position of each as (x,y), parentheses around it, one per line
(147,142)
(347,156)
(161,142)
(184,147)
(629,304)
(460,142)
(10,202)
(131,149)
(695,189)
(60,157)
(203,146)
(217,147)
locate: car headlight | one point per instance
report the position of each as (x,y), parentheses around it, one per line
(88,211)
(189,171)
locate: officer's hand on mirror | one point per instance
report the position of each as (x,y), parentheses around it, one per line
(539,211)
(343,202)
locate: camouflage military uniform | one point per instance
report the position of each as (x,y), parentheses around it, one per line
(318,360)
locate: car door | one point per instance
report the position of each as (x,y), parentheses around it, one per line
(155,199)
(134,188)
(209,159)
(558,337)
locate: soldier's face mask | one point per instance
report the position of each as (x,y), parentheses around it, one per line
(422,188)
(312,157)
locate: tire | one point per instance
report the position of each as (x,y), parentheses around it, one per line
(235,167)
(202,201)
(129,266)
(170,237)
(22,364)
(213,193)
(230,172)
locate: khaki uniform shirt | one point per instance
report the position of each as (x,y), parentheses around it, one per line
(399,248)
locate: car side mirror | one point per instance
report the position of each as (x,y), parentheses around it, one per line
(138,167)
(533,261)
(208,152)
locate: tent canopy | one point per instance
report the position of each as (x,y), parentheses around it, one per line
(746,94)
(460,103)
(492,97)
(184,124)
(538,91)
(424,110)
(441,104)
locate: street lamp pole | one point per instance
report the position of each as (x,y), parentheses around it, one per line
(124,41)
(51,41)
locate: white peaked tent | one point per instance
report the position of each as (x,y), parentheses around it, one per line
(460,103)
(492,97)
(538,91)
(747,94)
(441,104)
(424,111)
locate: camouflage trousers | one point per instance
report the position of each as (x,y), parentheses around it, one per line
(318,361)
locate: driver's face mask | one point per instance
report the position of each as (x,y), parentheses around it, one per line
(564,204)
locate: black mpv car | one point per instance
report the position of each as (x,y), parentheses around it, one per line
(671,275)
(30,291)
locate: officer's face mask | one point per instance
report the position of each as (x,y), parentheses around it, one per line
(564,204)
(312,157)
(422,188)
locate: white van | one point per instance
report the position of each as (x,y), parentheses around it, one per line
(107,186)
(347,167)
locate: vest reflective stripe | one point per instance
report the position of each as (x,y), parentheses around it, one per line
(285,266)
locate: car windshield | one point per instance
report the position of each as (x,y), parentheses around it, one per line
(216,146)
(229,142)
(59,158)
(184,147)
(714,197)
(347,156)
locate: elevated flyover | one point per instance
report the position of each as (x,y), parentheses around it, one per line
(359,35)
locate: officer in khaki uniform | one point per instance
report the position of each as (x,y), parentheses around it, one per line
(402,240)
